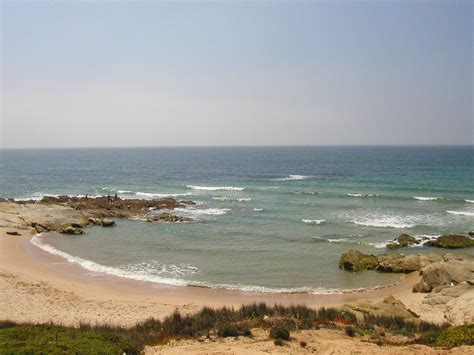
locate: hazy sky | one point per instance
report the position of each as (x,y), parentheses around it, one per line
(105,73)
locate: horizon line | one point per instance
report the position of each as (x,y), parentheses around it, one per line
(240,146)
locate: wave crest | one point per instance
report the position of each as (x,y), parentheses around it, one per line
(215,188)
(462,213)
(313,221)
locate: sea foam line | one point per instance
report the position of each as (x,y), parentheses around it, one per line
(225,198)
(215,188)
(294,177)
(422,198)
(207,211)
(462,213)
(313,221)
(140,275)
(95,267)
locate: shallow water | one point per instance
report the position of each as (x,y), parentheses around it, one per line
(270,219)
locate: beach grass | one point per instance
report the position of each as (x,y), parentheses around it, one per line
(221,322)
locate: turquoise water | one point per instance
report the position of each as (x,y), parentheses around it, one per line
(267,219)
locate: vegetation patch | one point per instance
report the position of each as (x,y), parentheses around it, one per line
(456,336)
(222,322)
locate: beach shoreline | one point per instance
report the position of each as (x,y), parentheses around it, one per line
(54,289)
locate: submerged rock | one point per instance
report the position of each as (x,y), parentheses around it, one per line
(354,260)
(166,217)
(452,241)
(102,222)
(403,240)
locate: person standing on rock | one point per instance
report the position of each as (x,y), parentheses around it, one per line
(116,197)
(109,199)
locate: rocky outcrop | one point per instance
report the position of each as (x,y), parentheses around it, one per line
(54,213)
(452,241)
(403,240)
(100,207)
(166,217)
(354,260)
(102,222)
(72,230)
(449,272)
(390,306)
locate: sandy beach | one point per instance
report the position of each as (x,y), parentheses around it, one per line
(40,287)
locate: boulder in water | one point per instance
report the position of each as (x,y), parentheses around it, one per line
(403,240)
(354,260)
(452,241)
(72,230)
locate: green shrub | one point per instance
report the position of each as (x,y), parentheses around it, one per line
(456,336)
(52,339)
(429,338)
(233,330)
(280,333)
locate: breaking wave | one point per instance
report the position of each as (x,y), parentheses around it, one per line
(215,188)
(313,221)
(462,213)
(225,198)
(170,274)
(294,177)
(207,211)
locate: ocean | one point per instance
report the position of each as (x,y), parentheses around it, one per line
(266,219)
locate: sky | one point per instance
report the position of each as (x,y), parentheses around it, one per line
(149,73)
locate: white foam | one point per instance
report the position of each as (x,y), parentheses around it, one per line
(462,213)
(225,198)
(354,195)
(469,201)
(151,272)
(421,198)
(362,195)
(386,221)
(161,195)
(207,211)
(98,268)
(38,196)
(294,177)
(215,188)
(305,192)
(313,221)
(258,209)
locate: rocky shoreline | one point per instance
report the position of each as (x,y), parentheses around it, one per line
(70,215)
(447,279)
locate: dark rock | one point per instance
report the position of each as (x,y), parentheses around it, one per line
(471,233)
(452,241)
(13,233)
(354,260)
(403,240)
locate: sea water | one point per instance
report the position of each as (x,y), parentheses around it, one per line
(269,219)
